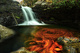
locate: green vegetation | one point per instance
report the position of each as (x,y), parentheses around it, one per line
(17,17)
(65,3)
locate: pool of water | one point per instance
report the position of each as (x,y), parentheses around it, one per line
(23,33)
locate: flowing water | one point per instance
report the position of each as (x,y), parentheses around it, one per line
(29,17)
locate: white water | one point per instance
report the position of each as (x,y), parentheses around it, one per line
(29,17)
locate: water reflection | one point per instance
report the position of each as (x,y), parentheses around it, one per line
(24,33)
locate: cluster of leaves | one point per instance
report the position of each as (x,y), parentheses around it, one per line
(17,17)
(65,3)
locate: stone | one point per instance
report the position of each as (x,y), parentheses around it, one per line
(70,49)
(38,3)
(7,7)
(23,50)
(41,4)
(76,46)
(67,40)
(5,33)
(64,13)
(70,44)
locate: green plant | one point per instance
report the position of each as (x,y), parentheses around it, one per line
(17,17)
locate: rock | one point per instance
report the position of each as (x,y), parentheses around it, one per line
(67,40)
(44,3)
(70,44)
(70,49)
(6,10)
(41,4)
(23,50)
(64,13)
(38,3)
(5,33)
(76,46)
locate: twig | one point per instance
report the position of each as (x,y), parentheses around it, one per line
(15,19)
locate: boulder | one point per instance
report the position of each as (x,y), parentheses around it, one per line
(5,33)
(61,13)
(8,11)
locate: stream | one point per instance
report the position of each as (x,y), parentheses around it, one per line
(22,34)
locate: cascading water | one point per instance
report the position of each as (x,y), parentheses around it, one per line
(29,17)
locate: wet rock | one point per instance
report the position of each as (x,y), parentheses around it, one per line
(5,33)
(76,46)
(69,49)
(67,40)
(70,44)
(6,10)
(23,50)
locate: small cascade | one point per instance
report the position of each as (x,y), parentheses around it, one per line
(29,17)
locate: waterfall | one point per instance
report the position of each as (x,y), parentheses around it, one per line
(29,17)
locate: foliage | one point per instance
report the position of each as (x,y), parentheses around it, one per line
(68,4)
(17,17)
